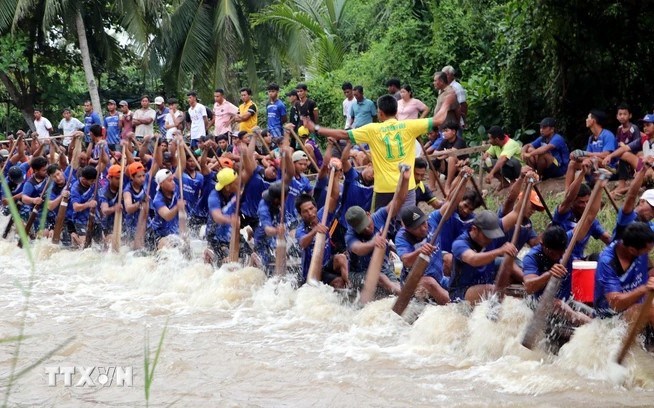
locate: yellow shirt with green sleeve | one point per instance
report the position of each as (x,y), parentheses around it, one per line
(511,149)
(391,143)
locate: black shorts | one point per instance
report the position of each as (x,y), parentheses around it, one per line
(252,222)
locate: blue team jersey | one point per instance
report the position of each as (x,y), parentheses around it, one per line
(360,263)
(276,111)
(452,229)
(405,243)
(227,206)
(268,217)
(296,187)
(160,119)
(208,186)
(605,142)
(89,120)
(105,195)
(131,220)
(192,192)
(463,275)
(568,221)
(79,195)
(537,263)
(32,188)
(159,226)
(302,230)
(611,278)
(252,192)
(560,152)
(354,193)
(112,124)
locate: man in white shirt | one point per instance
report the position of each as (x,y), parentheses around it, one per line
(68,126)
(223,110)
(459,90)
(42,125)
(347,102)
(199,121)
(143,118)
(174,119)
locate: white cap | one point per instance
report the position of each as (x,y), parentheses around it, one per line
(159,100)
(161,176)
(299,155)
(648,196)
(4,152)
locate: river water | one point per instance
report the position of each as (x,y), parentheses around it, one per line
(236,339)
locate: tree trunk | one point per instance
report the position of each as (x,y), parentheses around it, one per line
(23,102)
(86,62)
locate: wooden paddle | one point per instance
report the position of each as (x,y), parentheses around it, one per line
(235,238)
(139,232)
(542,200)
(636,327)
(11,149)
(437,178)
(535,328)
(35,210)
(315,267)
(304,149)
(419,267)
(90,224)
(280,247)
(459,152)
(118,216)
(182,216)
(503,276)
(379,254)
(476,187)
(188,150)
(63,205)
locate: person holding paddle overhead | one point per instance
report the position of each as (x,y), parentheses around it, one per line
(623,278)
(391,142)
(364,235)
(635,210)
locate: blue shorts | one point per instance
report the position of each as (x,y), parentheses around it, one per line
(554,171)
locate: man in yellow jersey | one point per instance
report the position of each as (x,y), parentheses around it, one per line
(391,142)
(247,112)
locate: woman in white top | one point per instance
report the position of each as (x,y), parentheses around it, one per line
(409,107)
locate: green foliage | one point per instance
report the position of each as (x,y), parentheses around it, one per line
(148,364)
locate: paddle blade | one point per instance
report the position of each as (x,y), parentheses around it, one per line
(139,234)
(536,327)
(315,267)
(372,275)
(280,257)
(636,327)
(59,223)
(411,284)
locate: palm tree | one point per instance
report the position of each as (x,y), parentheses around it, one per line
(312,28)
(206,41)
(86,20)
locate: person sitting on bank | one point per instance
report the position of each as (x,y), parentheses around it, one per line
(548,154)
(502,159)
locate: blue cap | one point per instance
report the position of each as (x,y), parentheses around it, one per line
(648,118)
